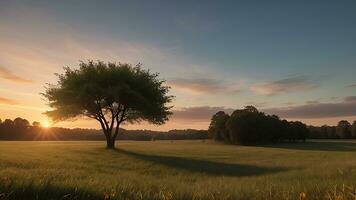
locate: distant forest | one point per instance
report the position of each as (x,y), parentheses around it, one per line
(343,130)
(250,126)
(21,129)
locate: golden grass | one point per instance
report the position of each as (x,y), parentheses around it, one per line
(177,170)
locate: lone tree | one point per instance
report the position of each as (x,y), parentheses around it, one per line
(110,93)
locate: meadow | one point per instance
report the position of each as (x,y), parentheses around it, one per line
(164,170)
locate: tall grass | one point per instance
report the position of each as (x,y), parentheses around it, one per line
(177,170)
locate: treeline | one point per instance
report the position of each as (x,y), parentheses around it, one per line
(21,129)
(249,126)
(343,130)
(245,126)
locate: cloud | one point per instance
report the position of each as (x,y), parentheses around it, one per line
(289,103)
(34,52)
(7,101)
(257,104)
(25,46)
(203,86)
(317,110)
(17,93)
(333,98)
(312,102)
(17,106)
(310,110)
(351,86)
(290,84)
(201,113)
(7,75)
(350,99)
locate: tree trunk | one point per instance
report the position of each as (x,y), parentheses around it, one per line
(110,134)
(110,143)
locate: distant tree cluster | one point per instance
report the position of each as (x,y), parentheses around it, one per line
(13,129)
(21,129)
(249,126)
(343,130)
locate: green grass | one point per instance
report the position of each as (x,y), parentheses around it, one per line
(177,170)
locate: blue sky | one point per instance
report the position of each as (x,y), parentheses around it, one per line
(215,54)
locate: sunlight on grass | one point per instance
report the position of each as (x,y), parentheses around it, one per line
(177,170)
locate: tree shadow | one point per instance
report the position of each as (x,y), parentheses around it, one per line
(47,192)
(344,146)
(204,166)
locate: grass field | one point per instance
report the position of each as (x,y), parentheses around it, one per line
(177,170)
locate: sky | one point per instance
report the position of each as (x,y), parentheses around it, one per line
(296,59)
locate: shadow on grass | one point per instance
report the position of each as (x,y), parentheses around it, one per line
(324,145)
(46,192)
(204,166)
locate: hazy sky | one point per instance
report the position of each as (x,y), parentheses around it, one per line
(292,58)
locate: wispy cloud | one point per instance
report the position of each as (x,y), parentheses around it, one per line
(201,113)
(310,110)
(312,102)
(286,85)
(10,76)
(204,86)
(25,46)
(289,103)
(20,107)
(317,110)
(351,86)
(18,93)
(7,101)
(257,104)
(350,99)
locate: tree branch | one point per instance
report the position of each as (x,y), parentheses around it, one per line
(102,116)
(112,119)
(102,125)
(118,122)
(114,115)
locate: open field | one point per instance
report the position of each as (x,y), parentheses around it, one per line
(177,170)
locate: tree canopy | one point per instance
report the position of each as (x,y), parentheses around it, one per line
(217,129)
(249,126)
(343,129)
(111,93)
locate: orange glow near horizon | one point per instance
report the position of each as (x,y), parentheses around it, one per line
(46,124)
(203,80)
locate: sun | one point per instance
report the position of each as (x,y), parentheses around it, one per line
(46,124)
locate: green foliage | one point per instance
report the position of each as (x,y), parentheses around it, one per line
(343,129)
(217,129)
(99,86)
(13,129)
(242,126)
(249,126)
(353,129)
(323,132)
(36,124)
(110,93)
(20,122)
(299,129)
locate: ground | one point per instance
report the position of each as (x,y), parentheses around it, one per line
(177,170)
